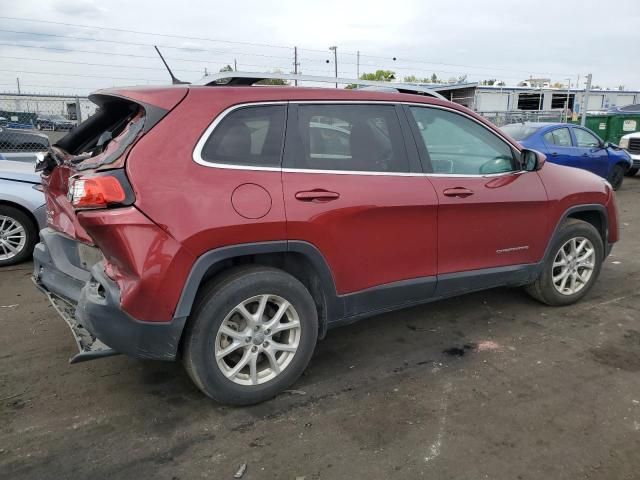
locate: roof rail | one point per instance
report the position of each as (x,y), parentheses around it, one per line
(250,78)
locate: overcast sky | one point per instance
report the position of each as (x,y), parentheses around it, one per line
(507,40)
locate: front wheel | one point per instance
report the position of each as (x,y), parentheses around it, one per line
(631,172)
(572,265)
(251,335)
(616,176)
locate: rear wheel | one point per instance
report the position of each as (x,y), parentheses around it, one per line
(251,335)
(18,236)
(632,171)
(616,176)
(572,266)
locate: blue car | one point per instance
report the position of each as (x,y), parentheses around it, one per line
(573,146)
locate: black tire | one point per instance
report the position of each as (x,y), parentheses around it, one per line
(631,172)
(543,288)
(30,230)
(217,299)
(616,176)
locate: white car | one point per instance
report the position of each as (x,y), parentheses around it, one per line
(631,143)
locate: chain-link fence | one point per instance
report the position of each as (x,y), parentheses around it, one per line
(504,118)
(31,123)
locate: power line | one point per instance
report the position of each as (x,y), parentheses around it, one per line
(79,75)
(152,57)
(138,44)
(253,44)
(70,87)
(119,66)
(133,55)
(122,30)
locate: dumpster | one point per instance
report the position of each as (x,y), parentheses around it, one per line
(611,126)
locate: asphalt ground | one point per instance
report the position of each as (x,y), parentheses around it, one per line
(491,385)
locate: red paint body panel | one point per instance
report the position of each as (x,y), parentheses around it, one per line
(193,202)
(568,186)
(504,222)
(163,97)
(382,229)
(148,265)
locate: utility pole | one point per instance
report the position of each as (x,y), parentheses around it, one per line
(78,111)
(585,101)
(18,80)
(335,60)
(235,65)
(358,65)
(295,64)
(566,103)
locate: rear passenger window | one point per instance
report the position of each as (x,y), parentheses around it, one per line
(250,136)
(559,136)
(363,138)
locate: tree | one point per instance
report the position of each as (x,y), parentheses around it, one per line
(273,81)
(227,68)
(558,85)
(414,79)
(491,81)
(378,76)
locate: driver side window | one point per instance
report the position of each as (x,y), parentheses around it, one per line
(456,144)
(585,139)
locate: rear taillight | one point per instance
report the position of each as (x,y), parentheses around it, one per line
(109,189)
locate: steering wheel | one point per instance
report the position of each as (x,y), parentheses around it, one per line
(496,165)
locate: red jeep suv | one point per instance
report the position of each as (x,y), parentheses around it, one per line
(231,226)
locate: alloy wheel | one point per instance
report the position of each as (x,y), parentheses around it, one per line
(573,265)
(257,340)
(13,237)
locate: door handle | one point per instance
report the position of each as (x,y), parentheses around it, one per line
(585,154)
(317,196)
(554,154)
(459,192)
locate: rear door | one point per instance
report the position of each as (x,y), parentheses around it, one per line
(559,147)
(349,190)
(491,213)
(591,155)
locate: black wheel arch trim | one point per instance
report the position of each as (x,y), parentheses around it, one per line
(209,259)
(589,207)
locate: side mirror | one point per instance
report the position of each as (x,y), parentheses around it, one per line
(532,160)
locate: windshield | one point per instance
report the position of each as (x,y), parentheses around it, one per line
(519,131)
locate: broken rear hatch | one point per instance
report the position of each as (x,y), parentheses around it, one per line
(100,143)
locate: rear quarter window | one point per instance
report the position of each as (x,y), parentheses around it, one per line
(249,136)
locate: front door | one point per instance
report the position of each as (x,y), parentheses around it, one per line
(349,191)
(491,213)
(591,156)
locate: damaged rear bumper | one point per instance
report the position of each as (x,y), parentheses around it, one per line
(72,275)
